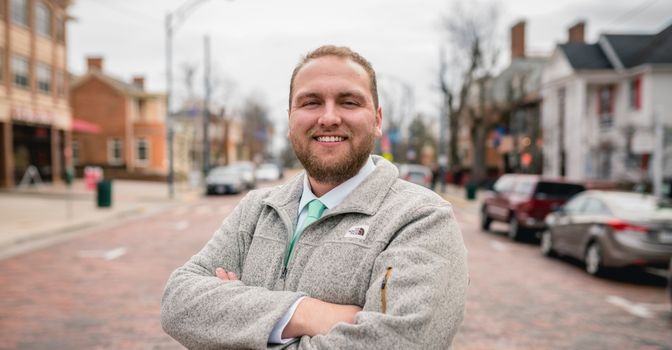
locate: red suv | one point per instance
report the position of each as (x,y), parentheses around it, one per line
(523,201)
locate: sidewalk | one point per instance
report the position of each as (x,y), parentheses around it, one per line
(456,195)
(46,211)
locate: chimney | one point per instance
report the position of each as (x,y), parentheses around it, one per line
(139,81)
(94,62)
(518,40)
(576,32)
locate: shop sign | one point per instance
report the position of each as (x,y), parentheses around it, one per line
(32,116)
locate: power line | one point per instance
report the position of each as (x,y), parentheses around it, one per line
(630,14)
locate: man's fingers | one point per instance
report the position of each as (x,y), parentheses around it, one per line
(221,273)
(226,276)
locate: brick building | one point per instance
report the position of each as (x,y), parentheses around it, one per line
(35,118)
(126,129)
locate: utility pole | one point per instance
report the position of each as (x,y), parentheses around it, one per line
(171,24)
(658,150)
(206,105)
(169,89)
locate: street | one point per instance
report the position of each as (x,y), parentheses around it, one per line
(102,289)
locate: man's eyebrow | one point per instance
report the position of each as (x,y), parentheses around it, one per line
(307,95)
(355,94)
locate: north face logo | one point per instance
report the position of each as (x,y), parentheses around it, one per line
(357,232)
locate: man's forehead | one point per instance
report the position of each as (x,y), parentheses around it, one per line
(332,65)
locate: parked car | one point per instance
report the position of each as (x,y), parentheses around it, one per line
(247,170)
(611,229)
(415,173)
(268,172)
(222,180)
(523,201)
(669,281)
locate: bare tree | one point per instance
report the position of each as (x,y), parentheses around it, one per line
(471,33)
(188,70)
(398,102)
(257,128)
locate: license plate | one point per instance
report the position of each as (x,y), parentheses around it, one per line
(665,237)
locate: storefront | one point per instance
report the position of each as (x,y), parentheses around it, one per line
(33,149)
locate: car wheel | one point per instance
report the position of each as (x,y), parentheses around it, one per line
(593,259)
(485,219)
(515,232)
(547,243)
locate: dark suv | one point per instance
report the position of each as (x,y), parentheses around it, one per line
(523,201)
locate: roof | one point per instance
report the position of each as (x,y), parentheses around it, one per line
(585,56)
(637,49)
(121,86)
(527,68)
(625,51)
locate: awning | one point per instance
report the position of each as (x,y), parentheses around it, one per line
(83,126)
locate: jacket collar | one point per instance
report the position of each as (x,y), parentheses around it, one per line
(365,199)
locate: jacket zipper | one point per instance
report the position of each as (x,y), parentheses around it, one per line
(383,290)
(290,254)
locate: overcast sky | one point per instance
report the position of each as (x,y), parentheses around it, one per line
(256,43)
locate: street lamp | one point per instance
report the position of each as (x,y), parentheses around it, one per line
(172,22)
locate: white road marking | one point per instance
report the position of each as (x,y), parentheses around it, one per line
(182,225)
(105,254)
(499,246)
(115,253)
(637,309)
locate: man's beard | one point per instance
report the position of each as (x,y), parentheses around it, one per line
(332,173)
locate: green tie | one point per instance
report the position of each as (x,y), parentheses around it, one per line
(315,210)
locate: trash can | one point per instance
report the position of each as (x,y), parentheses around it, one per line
(104,193)
(471,190)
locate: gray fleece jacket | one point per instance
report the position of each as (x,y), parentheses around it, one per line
(387,230)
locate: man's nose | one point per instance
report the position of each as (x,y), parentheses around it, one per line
(330,117)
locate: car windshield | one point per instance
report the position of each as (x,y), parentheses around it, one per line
(557,189)
(224,171)
(267,167)
(633,203)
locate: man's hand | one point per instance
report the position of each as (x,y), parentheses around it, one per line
(313,317)
(225,276)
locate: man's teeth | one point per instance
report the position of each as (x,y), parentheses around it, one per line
(330,138)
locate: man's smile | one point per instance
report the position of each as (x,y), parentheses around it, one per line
(329,138)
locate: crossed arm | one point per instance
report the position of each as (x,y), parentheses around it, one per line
(312,316)
(425,296)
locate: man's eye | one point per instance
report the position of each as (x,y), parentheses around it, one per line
(351,103)
(309,103)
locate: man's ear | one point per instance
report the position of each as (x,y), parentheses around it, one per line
(379,122)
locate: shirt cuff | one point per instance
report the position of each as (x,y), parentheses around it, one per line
(276,333)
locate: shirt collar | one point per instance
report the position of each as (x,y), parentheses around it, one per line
(334,197)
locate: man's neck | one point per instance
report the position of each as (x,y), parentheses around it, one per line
(320,188)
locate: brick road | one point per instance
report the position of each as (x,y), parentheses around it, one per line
(102,291)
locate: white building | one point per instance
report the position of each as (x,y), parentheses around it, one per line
(599,102)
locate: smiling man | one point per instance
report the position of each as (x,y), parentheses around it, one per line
(343,256)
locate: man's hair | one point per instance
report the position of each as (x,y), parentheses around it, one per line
(341,52)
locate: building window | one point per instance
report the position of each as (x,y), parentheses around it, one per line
(605,105)
(636,94)
(75,152)
(141,151)
(20,12)
(43,78)
(43,19)
(20,71)
(114,151)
